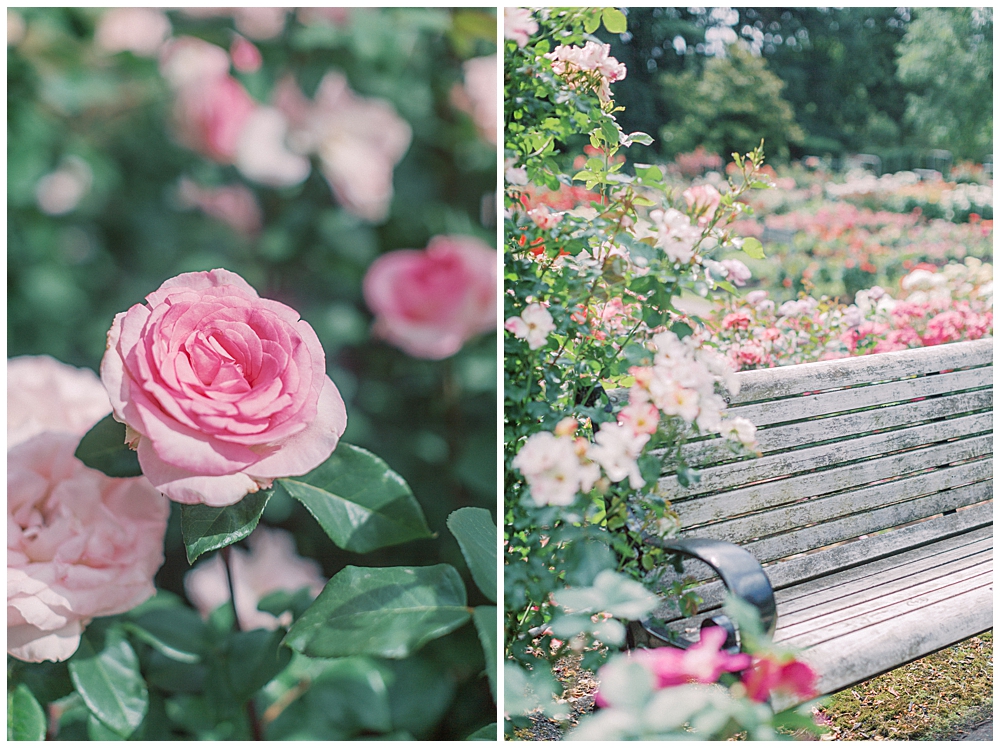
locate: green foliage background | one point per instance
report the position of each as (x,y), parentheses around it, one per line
(432,422)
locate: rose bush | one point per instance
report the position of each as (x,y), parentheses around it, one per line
(222,391)
(589,308)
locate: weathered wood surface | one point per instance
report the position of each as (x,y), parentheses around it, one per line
(722,477)
(838,401)
(767,384)
(795,435)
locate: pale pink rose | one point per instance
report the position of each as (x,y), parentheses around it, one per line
(544,217)
(245,55)
(327,16)
(16,28)
(79,545)
(533,325)
(221,391)
(46,395)
(518,25)
(430,302)
(479,95)
(234,205)
(260,23)
(210,115)
(641,418)
(261,153)
(60,191)
(739,273)
(271,564)
(187,60)
(703,199)
(141,31)
(359,141)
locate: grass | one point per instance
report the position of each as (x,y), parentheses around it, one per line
(929,699)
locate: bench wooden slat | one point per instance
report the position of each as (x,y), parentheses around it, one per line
(910,634)
(706,509)
(823,607)
(723,477)
(703,453)
(768,384)
(819,566)
(808,514)
(838,401)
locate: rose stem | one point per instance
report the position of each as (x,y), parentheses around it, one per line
(251,707)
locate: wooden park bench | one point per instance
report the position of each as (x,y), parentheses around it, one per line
(869,513)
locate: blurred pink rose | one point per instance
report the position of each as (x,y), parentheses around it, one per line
(210,114)
(270,564)
(222,391)
(187,60)
(359,141)
(260,23)
(245,55)
(768,675)
(46,395)
(703,199)
(518,25)
(326,16)
(702,663)
(429,302)
(79,545)
(478,97)
(60,191)
(141,31)
(261,154)
(234,204)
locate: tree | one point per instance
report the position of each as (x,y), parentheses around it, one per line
(730,107)
(947,55)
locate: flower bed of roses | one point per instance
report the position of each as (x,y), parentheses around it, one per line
(589,285)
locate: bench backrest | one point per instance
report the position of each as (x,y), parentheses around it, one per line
(896,443)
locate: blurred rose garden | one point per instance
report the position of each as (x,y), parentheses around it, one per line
(864,225)
(271,231)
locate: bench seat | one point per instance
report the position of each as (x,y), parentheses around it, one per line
(870,508)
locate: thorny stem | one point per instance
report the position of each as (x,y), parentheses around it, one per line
(251,707)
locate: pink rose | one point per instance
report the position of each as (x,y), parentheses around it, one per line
(79,545)
(210,114)
(768,675)
(518,25)
(46,395)
(703,199)
(478,96)
(245,55)
(222,391)
(140,31)
(429,302)
(270,564)
(234,204)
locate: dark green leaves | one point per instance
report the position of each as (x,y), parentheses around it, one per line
(485,618)
(477,536)
(207,528)
(487,732)
(103,448)
(360,503)
(25,718)
(254,657)
(387,612)
(109,681)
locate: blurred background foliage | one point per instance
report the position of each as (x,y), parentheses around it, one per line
(75,108)
(894,82)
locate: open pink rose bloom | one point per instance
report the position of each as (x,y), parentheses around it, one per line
(221,391)
(430,302)
(79,545)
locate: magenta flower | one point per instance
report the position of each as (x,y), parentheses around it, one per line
(702,663)
(768,674)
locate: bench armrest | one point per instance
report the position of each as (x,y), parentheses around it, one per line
(739,571)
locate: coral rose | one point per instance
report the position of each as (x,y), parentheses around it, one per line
(222,391)
(47,395)
(79,545)
(430,302)
(270,564)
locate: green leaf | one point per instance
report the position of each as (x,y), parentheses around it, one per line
(485,618)
(208,528)
(25,717)
(591,22)
(639,137)
(97,730)
(614,21)
(387,612)
(420,690)
(279,601)
(477,537)
(359,501)
(103,448)
(177,633)
(253,658)
(110,682)
(486,732)
(753,247)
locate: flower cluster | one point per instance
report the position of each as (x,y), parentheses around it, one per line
(592,63)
